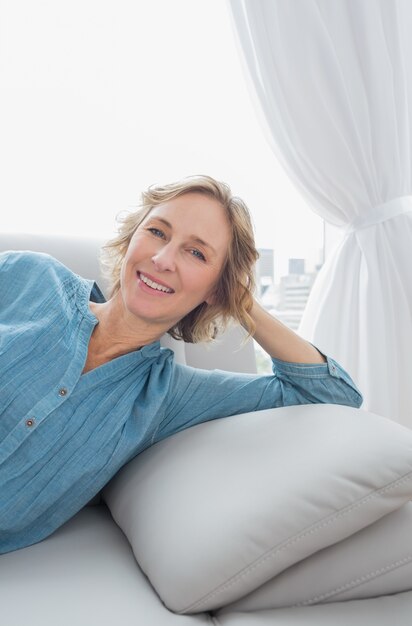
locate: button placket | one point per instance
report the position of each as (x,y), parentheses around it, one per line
(333,370)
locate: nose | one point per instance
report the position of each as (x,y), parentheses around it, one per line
(165,259)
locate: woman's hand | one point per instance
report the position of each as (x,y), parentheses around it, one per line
(279,341)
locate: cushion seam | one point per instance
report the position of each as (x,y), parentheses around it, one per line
(310,530)
(357,582)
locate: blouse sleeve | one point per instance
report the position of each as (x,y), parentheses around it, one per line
(200,395)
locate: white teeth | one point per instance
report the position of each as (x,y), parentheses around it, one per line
(154,285)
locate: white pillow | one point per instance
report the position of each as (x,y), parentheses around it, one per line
(217,510)
(376,561)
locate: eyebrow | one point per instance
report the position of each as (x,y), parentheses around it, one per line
(194,237)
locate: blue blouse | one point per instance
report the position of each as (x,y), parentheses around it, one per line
(64,434)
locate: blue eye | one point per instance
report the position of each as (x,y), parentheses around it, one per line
(196,253)
(156,232)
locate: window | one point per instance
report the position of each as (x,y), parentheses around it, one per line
(99,100)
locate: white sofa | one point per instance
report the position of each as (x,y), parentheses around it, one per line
(288,517)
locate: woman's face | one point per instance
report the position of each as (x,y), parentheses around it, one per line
(174,259)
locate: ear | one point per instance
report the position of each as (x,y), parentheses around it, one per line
(211,299)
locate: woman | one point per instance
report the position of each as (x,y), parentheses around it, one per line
(85,385)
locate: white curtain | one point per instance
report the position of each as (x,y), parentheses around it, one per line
(333,83)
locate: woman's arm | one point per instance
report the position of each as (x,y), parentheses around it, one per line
(279,341)
(301,375)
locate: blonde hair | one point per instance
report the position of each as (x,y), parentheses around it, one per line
(233,297)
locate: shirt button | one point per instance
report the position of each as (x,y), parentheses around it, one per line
(30,422)
(63,391)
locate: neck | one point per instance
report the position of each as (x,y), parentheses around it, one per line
(118,333)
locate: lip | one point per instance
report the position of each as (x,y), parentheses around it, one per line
(156,280)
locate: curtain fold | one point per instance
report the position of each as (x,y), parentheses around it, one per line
(332,82)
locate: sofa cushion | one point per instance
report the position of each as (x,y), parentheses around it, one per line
(393,610)
(375,561)
(219,509)
(84,574)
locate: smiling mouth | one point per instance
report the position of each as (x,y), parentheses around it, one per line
(153,284)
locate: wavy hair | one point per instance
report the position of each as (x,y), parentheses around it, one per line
(233,296)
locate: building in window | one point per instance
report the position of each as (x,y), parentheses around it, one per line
(287,299)
(294,292)
(265,271)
